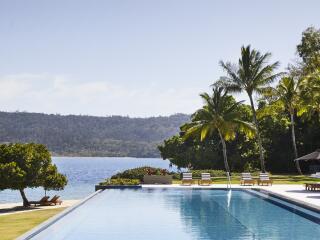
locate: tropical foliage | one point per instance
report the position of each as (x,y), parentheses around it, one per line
(286,97)
(120,182)
(28,166)
(138,173)
(219,115)
(252,74)
(286,115)
(309,50)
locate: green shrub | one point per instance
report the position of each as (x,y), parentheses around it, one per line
(120,181)
(138,173)
(176,176)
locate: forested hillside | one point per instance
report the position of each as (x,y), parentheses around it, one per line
(88,135)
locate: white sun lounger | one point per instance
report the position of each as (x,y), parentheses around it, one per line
(187,179)
(246,179)
(264,179)
(205,179)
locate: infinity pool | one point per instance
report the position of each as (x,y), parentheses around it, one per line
(184,214)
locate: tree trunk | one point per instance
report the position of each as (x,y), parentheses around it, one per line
(224,149)
(293,135)
(263,169)
(24,198)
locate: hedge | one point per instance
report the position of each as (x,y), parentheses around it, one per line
(138,173)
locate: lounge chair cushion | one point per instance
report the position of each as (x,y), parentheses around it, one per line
(205,176)
(187,176)
(246,176)
(264,177)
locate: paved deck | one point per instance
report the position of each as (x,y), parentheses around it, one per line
(296,193)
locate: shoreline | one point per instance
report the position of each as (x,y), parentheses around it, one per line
(14,208)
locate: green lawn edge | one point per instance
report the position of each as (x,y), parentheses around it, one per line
(14,225)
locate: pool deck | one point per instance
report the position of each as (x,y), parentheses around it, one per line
(295,193)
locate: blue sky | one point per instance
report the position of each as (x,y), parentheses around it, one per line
(134,57)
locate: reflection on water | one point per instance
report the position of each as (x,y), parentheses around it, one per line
(226,214)
(229,198)
(206,217)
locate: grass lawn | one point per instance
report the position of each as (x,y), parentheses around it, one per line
(277,179)
(14,225)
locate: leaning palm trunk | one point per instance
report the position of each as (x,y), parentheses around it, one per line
(224,149)
(294,143)
(263,169)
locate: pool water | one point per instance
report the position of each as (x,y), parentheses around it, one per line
(146,214)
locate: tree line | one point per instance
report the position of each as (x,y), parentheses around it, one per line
(280,124)
(71,135)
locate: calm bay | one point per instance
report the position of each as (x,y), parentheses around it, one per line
(83,173)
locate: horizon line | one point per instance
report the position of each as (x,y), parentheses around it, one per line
(90,115)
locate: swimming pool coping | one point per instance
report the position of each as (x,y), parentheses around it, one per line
(291,200)
(299,209)
(103,187)
(36,230)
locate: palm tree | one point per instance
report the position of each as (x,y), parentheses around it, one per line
(252,74)
(286,96)
(310,93)
(220,115)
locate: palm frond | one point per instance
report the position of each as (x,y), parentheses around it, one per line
(192,131)
(251,73)
(247,128)
(205,131)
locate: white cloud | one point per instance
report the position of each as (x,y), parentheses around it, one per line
(63,94)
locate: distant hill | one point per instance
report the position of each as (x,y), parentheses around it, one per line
(77,135)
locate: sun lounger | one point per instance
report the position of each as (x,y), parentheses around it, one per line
(246,179)
(312,186)
(40,202)
(54,201)
(187,179)
(205,179)
(264,179)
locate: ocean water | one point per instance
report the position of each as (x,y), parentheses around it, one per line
(83,173)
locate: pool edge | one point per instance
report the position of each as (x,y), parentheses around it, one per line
(300,203)
(42,226)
